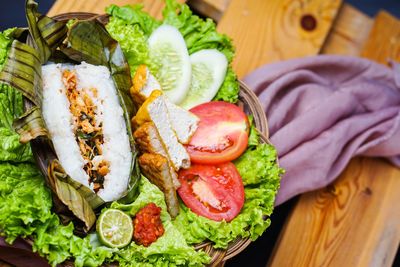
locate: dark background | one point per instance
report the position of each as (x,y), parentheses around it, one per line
(12,11)
(257,254)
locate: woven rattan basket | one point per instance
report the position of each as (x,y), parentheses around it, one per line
(247,100)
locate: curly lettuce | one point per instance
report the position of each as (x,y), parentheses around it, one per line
(131,27)
(25,201)
(5,43)
(58,243)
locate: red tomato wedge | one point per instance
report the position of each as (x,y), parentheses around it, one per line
(212,191)
(222,134)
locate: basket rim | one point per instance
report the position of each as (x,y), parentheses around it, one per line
(260,120)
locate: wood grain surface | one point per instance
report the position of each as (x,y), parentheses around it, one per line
(154,7)
(355,221)
(349,32)
(384,40)
(273,30)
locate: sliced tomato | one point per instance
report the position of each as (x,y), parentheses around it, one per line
(212,191)
(222,134)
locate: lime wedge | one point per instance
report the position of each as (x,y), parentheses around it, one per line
(208,73)
(170,62)
(114,228)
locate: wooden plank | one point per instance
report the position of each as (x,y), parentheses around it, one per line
(154,7)
(350,223)
(384,40)
(354,221)
(349,32)
(273,30)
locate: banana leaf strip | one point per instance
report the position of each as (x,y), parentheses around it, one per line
(93,200)
(22,70)
(38,43)
(69,196)
(53,32)
(30,125)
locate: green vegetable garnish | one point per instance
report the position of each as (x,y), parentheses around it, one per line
(131,27)
(114,228)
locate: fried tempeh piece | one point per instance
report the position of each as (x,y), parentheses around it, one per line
(156,168)
(149,141)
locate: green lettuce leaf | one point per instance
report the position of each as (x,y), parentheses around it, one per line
(229,91)
(134,15)
(170,249)
(25,201)
(11,149)
(131,27)
(261,176)
(4,46)
(254,136)
(198,33)
(11,107)
(58,243)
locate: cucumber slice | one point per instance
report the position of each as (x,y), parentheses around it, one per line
(170,62)
(208,73)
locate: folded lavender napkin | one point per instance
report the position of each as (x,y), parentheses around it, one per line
(324,110)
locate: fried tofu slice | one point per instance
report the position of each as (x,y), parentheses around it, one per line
(183,122)
(149,141)
(156,168)
(154,109)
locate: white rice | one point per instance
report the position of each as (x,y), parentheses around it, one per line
(59,121)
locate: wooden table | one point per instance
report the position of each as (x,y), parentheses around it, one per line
(355,221)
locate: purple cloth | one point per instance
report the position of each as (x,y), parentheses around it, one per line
(20,254)
(324,110)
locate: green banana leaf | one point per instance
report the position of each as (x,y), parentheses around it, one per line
(78,198)
(49,39)
(30,125)
(22,70)
(46,33)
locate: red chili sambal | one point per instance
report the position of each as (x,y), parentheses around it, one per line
(147,225)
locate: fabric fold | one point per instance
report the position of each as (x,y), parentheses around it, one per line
(324,110)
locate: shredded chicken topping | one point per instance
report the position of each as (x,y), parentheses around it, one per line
(88,132)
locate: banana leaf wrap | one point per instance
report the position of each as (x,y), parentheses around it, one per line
(51,40)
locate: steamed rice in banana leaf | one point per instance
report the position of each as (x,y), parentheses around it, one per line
(80,106)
